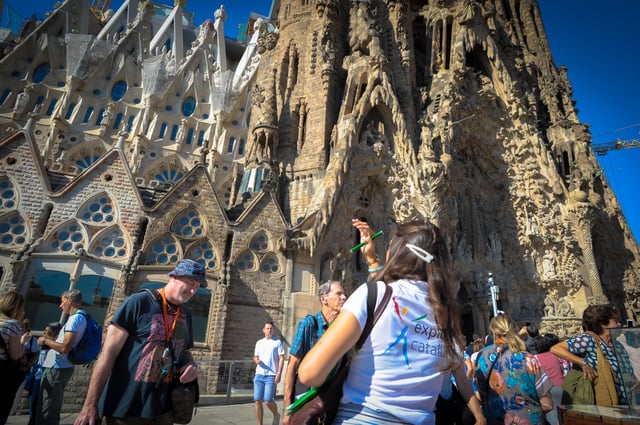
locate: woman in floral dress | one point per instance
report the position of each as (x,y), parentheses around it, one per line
(511,382)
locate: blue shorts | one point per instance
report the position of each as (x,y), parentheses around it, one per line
(264,387)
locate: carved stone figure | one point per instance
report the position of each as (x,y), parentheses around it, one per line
(22,100)
(548,266)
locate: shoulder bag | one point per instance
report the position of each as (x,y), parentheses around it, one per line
(183,397)
(604,386)
(319,406)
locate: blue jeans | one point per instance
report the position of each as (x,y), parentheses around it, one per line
(264,387)
(354,414)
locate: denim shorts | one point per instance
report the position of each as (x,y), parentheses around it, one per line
(264,387)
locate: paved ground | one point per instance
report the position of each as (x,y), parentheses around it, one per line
(230,414)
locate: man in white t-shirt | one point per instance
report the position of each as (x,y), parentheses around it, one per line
(57,367)
(269,358)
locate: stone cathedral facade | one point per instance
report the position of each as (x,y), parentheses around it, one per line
(130,143)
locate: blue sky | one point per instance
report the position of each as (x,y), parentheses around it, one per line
(598,45)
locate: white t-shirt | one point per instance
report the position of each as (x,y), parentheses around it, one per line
(269,351)
(398,369)
(75,323)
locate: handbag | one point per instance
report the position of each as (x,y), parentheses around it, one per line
(184,397)
(319,406)
(576,389)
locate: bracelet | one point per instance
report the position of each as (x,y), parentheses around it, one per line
(375,260)
(377,269)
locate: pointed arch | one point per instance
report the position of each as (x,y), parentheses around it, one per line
(188,224)
(169,170)
(111,243)
(204,253)
(271,264)
(100,210)
(246,261)
(9,196)
(14,231)
(69,238)
(163,250)
(83,156)
(260,242)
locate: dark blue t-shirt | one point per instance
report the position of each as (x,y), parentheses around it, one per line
(137,386)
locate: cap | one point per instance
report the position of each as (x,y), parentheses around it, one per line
(192,269)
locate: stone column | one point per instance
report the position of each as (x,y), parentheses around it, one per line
(581,215)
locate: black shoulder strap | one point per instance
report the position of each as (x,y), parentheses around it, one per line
(316,325)
(373,316)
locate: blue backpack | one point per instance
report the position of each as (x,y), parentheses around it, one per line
(88,348)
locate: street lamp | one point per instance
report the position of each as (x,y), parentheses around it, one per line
(494,291)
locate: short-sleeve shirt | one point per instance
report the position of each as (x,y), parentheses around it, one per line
(584,346)
(513,387)
(8,329)
(310,329)
(269,352)
(76,323)
(406,351)
(137,386)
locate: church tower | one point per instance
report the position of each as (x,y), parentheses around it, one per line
(452,111)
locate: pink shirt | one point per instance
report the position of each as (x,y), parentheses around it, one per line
(552,367)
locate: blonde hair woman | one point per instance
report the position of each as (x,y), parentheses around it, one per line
(512,383)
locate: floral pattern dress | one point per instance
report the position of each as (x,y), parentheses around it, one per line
(511,385)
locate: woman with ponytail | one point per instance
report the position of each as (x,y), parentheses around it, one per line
(512,384)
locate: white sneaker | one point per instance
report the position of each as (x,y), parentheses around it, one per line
(276,419)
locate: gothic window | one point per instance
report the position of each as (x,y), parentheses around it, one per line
(8,195)
(5,95)
(188,106)
(189,136)
(99,210)
(232,142)
(246,261)
(163,130)
(118,90)
(13,230)
(241,147)
(270,264)
(68,238)
(111,243)
(87,115)
(130,122)
(200,137)
(174,132)
(170,176)
(165,250)
(117,121)
(260,242)
(86,161)
(72,106)
(188,225)
(43,295)
(100,115)
(203,252)
(51,107)
(41,72)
